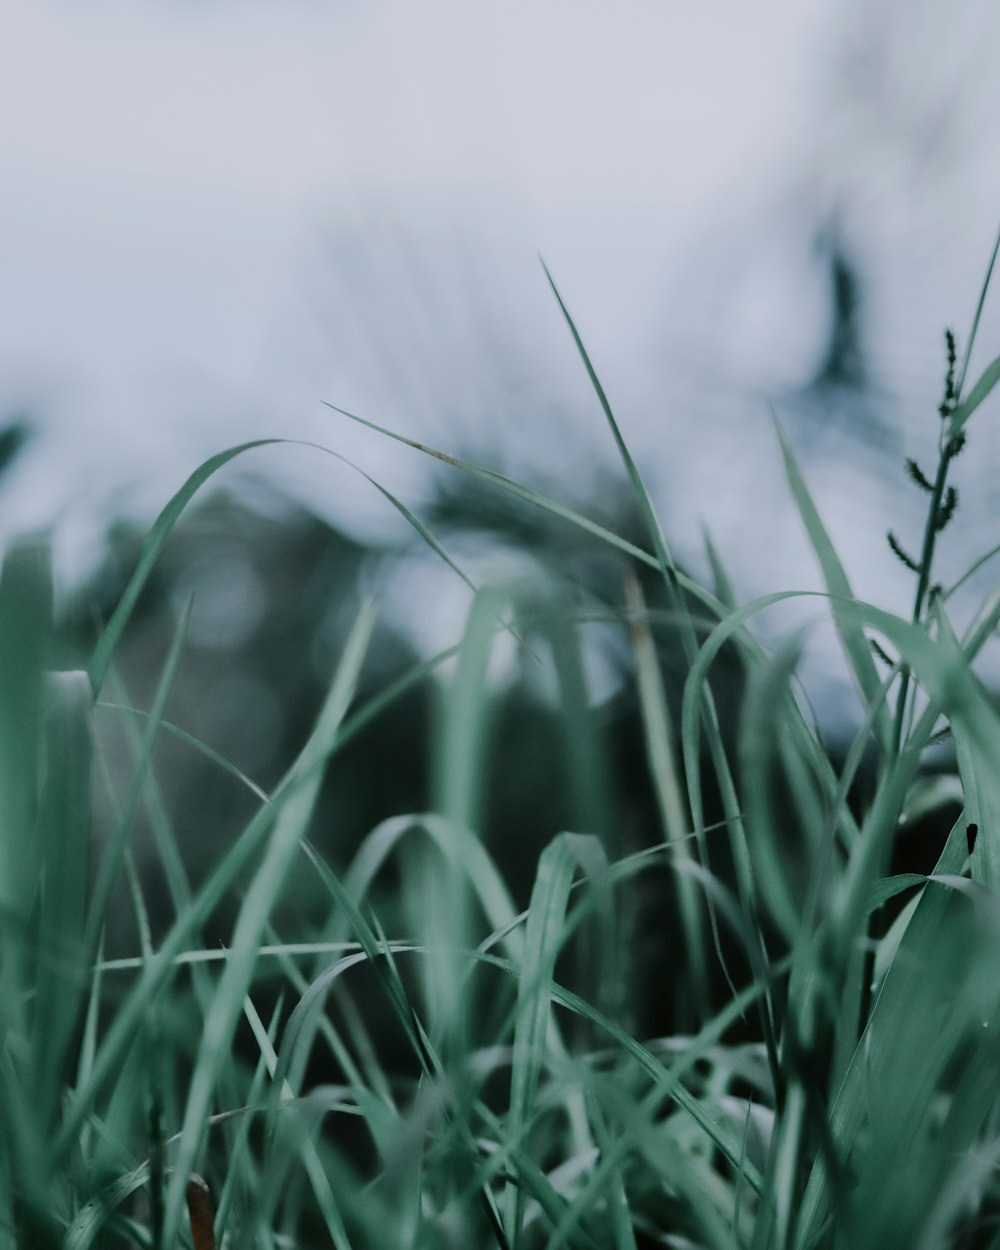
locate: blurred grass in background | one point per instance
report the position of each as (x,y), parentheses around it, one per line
(443,951)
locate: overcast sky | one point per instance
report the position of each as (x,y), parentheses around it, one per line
(216,215)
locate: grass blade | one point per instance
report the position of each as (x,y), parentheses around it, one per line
(289,829)
(851,635)
(158,535)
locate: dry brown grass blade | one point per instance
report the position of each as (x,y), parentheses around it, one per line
(201,1212)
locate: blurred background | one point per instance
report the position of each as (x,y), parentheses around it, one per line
(219,214)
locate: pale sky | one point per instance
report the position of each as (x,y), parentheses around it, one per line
(216,215)
(175,172)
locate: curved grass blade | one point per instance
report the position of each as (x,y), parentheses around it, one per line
(295,1141)
(511,487)
(942,668)
(89,1221)
(974,331)
(939,1004)
(670,796)
(165,522)
(63,836)
(290,827)
(978,314)
(852,637)
(157,537)
(195,743)
(983,388)
(669,1080)
(668,569)
(664,558)
(543,939)
(108,870)
(760,772)
(723,586)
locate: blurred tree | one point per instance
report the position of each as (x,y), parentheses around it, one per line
(13,437)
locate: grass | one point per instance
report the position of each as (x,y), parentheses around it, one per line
(830,1079)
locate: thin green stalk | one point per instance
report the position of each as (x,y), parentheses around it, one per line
(923,580)
(931,528)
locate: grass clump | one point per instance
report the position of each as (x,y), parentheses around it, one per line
(447,1067)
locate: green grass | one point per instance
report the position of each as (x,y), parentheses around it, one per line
(831,1076)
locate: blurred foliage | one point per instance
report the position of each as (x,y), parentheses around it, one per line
(273,594)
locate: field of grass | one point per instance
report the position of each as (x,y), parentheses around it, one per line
(448,1070)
